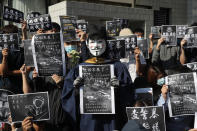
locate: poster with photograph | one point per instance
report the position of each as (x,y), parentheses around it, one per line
(144,47)
(150,118)
(10,41)
(31,15)
(116,49)
(28,54)
(40,22)
(155,31)
(192,66)
(191,37)
(11,14)
(31,104)
(97,94)
(169,34)
(48,54)
(4,106)
(144,94)
(182,94)
(82,25)
(68,26)
(113,28)
(181,31)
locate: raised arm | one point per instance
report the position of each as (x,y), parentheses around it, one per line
(182,56)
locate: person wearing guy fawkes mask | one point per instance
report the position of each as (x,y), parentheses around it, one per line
(97,46)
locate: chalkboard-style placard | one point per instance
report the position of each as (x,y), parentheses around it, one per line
(10,41)
(48,54)
(143,46)
(181,31)
(82,25)
(113,28)
(40,22)
(4,106)
(31,104)
(150,118)
(182,94)
(155,31)
(192,66)
(116,49)
(97,95)
(68,26)
(29,61)
(11,14)
(191,37)
(169,34)
(144,94)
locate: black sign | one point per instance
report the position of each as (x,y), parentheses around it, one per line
(11,14)
(143,46)
(181,31)
(116,49)
(9,41)
(32,104)
(49,54)
(68,26)
(130,43)
(113,28)
(82,25)
(192,66)
(4,106)
(169,34)
(32,15)
(155,31)
(148,118)
(191,37)
(29,61)
(144,94)
(97,96)
(182,94)
(40,22)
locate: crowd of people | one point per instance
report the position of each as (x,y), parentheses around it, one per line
(131,73)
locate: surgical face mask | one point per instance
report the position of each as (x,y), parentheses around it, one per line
(161,81)
(69,48)
(97,47)
(140,38)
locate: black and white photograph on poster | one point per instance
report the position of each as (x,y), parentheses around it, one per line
(191,37)
(113,28)
(150,118)
(35,105)
(182,94)
(97,94)
(181,31)
(68,28)
(4,106)
(11,14)
(48,54)
(31,15)
(40,22)
(143,46)
(144,94)
(169,34)
(82,25)
(192,66)
(10,41)
(28,54)
(116,49)
(130,43)
(156,32)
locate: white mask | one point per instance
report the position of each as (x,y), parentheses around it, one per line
(97,47)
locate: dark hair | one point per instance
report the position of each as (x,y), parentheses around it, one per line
(194,24)
(138,30)
(10,29)
(96,33)
(56,26)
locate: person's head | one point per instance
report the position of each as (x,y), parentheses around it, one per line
(70,46)
(139,32)
(55,28)
(10,29)
(140,103)
(96,41)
